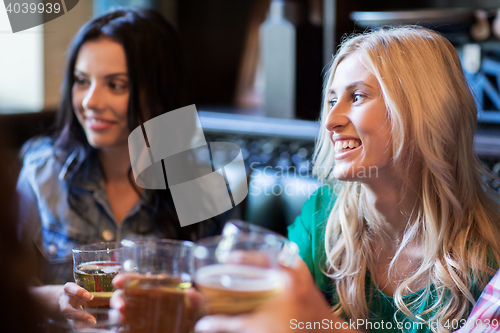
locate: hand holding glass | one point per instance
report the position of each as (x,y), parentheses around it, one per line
(238,271)
(94,267)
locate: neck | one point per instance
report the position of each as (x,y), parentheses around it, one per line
(115,163)
(390,205)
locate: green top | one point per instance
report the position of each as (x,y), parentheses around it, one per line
(308,232)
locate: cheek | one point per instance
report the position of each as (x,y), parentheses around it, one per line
(77,99)
(121,106)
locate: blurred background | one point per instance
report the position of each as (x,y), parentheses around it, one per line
(256,69)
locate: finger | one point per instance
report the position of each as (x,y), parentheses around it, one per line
(194,297)
(74,290)
(298,273)
(220,324)
(121,279)
(117,302)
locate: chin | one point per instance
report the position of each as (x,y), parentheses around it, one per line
(358,173)
(102,144)
(98,144)
(342,174)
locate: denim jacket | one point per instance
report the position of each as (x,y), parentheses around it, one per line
(56,215)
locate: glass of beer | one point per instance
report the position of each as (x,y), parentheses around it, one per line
(239,271)
(158,285)
(94,267)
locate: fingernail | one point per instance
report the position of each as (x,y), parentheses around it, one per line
(202,325)
(92,321)
(88,296)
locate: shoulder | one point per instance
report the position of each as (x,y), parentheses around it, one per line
(317,208)
(42,162)
(308,228)
(40,168)
(37,150)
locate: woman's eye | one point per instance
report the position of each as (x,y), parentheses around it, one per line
(117,85)
(80,80)
(358,97)
(332,103)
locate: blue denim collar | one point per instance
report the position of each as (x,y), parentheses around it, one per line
(83,168)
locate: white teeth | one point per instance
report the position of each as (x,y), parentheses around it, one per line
(95,121)
(351,144)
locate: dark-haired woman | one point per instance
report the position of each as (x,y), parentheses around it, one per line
(123,68)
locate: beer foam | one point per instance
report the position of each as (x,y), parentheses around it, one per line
(238,277)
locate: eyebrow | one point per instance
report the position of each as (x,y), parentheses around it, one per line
(106,76)
(352,85)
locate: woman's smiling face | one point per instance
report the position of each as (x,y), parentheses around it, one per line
(101,93)
(358,123)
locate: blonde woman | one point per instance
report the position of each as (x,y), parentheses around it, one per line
(409,237)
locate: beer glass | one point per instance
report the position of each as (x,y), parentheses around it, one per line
(286,250)
(239,270)
(157,287)
(94,267)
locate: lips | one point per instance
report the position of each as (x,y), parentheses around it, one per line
(98,123)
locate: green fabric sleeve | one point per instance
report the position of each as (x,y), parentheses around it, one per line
(308,232)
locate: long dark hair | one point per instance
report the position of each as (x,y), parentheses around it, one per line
(155,64)
(158,83)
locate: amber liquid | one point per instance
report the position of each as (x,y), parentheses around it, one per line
(236,289)
(96,277)
(158,305)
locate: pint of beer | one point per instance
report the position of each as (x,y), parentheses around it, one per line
(239,270)
(156,293)
(235,289)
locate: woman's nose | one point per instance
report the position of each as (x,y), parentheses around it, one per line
(94,99)
(336,118)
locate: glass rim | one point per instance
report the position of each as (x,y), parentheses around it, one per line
(87,248)
(133,243)
(214,240)
(248,227)
(209,244)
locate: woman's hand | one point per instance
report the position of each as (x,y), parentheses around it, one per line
(66,300)
(117,302)
(300,302)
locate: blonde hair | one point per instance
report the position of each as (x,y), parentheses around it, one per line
(433,116)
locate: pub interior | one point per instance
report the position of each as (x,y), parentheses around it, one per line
(257,72)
